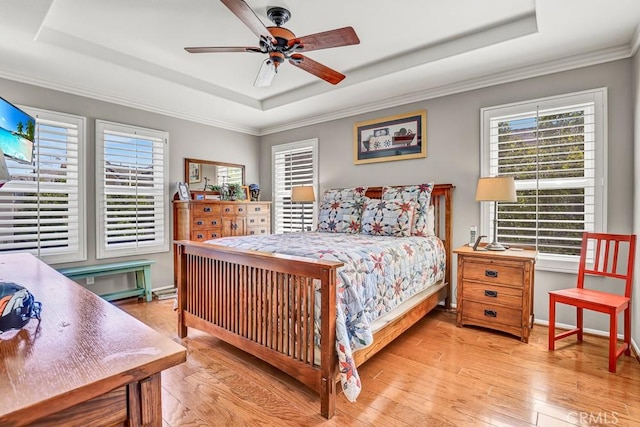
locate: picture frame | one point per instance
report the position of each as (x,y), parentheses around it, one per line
(195,173)
(399,137)
(247,193)
(183,191)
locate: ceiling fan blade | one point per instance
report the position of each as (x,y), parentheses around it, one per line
(341,37)
(242,10)
(222,49)
(316,68)
(266,74)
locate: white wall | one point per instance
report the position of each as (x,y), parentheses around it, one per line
(453,155)
(635,297)
(186,139)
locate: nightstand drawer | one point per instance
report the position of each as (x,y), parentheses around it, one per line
(493,294)
(233,209)
(479,313)
(489,272)
(260,229)
(258,220)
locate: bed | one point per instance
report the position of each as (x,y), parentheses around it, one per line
(272,302)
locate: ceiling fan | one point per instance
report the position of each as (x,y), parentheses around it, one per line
(281,44)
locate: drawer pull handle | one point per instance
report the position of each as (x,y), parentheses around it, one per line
(491,313)
(257,209)
(214,222)
(240,210)
(227,209)
(200,236)
(199,222)
(214,234)
(490,294)
(491,273)
(252,232)
(207,209)
(252,220)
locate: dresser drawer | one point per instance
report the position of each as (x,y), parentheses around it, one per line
(493,294)
(205,209)
(489,314)
(257,220)
(489,272)
(252,231)
(204,223)
(233,209)
(259,208)
(202,235)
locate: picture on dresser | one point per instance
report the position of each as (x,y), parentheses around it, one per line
(183,191)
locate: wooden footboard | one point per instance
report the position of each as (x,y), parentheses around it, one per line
(264,304)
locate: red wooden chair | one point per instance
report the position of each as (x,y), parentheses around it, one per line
(604,262)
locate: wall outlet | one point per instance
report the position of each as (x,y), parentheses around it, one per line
(91,280)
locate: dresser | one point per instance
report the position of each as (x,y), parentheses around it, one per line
(495,290)
(202,220)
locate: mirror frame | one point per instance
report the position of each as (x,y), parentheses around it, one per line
(188,161)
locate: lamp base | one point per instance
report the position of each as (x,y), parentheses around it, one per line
(495,246)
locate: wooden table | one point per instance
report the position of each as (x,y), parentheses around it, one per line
(87,363)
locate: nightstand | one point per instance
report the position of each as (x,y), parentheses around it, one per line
(495,290)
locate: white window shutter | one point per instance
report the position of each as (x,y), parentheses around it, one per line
(132,190)
(293,165)
(554,149)
(42,208)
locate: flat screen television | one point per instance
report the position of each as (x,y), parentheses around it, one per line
(17,132)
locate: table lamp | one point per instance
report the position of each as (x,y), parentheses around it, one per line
(496,189)
(302,195)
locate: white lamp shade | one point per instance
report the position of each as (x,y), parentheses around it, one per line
(496,189)
(302,194)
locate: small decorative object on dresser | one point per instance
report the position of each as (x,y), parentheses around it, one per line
(495,290)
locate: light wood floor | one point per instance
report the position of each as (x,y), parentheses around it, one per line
(433,375)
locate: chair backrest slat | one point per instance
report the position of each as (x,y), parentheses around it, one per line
(606,256)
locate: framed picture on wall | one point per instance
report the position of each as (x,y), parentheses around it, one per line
(397,137)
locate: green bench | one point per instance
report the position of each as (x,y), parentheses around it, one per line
(142,268)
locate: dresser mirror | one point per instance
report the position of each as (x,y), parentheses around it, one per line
(200,173)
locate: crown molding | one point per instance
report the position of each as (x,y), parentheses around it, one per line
(127,102)
(635,41)
(522,73)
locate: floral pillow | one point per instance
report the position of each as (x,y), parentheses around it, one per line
(388,217)
(344,193)
(421,195)
(340,216)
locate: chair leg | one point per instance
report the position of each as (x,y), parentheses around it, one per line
(552,323)
(613,341)
(579,321)
(627,330)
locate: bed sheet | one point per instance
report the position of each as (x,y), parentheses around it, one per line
(379,273)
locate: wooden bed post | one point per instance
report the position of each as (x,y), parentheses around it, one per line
(448,235)
(181,273)
(328,360)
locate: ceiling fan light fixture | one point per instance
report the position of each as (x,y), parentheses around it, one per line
(266,74)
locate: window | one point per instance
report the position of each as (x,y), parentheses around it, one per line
(555,149)
(293,165)
(132,190)
(41,211)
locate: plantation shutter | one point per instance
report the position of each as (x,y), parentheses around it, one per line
(40,208)
(551,151)
(132,199)
(293,165)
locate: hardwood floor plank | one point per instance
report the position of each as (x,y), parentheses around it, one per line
(435,374)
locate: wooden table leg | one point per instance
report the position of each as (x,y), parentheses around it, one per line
(145,402)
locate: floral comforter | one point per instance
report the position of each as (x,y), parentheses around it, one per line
(379,273)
